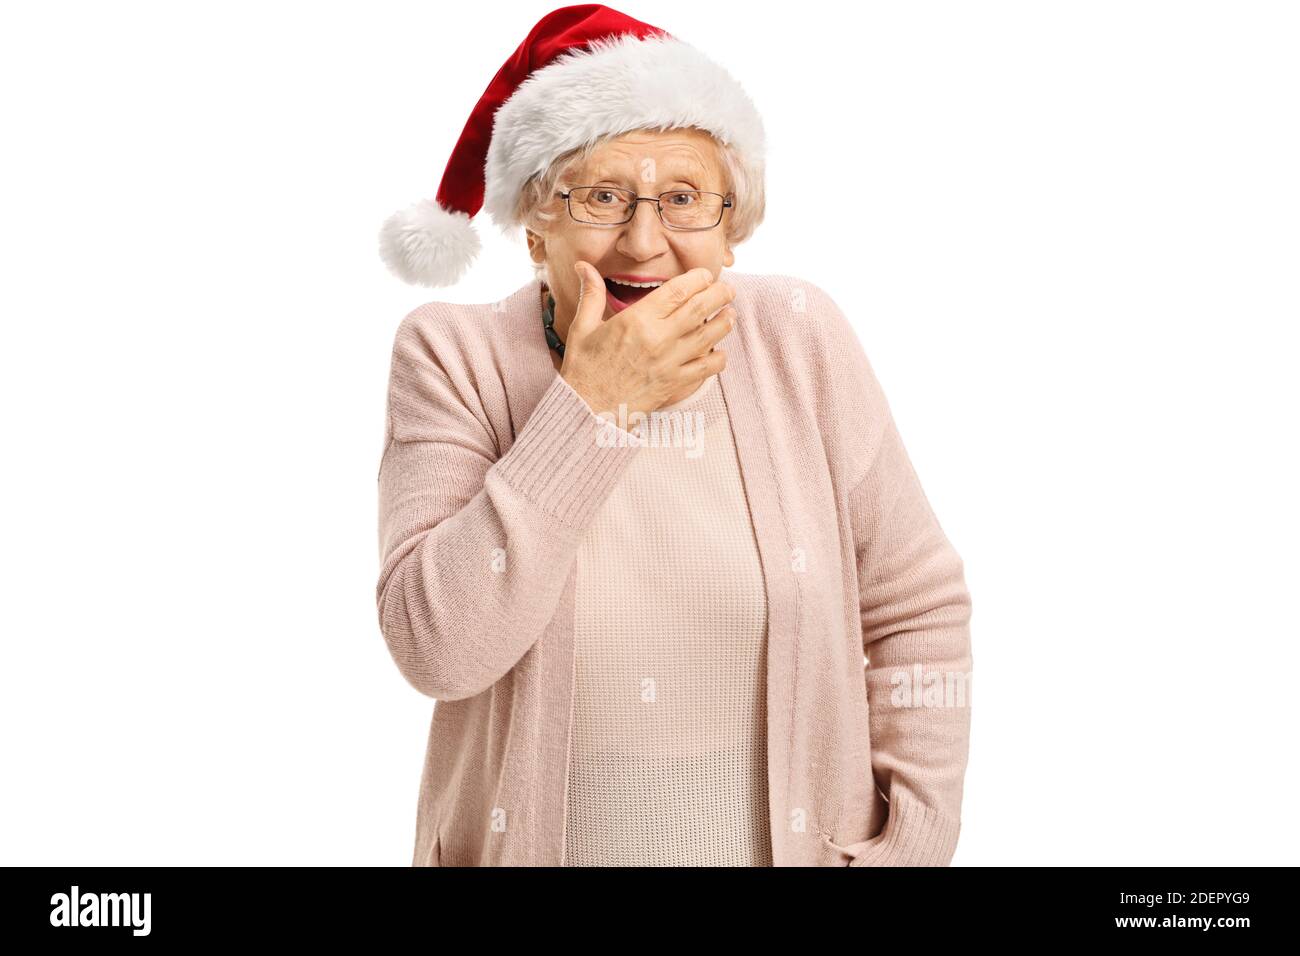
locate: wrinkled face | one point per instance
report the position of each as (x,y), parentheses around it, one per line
(649,162)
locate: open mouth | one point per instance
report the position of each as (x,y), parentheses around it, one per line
(627,294)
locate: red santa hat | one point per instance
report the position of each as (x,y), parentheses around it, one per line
(583,72)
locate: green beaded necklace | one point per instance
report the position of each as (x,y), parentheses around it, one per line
(548,325)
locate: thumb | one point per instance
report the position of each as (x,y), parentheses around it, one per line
(591,298)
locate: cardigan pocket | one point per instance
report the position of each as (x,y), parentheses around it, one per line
(849,852)
(861,808)
(433,855)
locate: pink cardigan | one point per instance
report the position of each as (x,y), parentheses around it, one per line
(493,469)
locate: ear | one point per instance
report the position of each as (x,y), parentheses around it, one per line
(536,246)
(729,259)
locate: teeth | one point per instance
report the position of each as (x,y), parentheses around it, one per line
(638,285)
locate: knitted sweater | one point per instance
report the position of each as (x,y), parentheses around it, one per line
(667,762)
(495,469)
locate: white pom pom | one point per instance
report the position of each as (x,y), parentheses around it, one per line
(428,245)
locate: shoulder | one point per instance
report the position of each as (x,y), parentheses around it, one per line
(440,352)
(772,286)
(441,334)
(799,312)
(801,328)
(779,288)
(803,318)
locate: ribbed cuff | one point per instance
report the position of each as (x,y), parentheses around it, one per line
(567,459)
(914,835)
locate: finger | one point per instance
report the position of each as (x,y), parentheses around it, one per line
(666,299)
(703,337)
(699,369)
(590,311)
(701,306)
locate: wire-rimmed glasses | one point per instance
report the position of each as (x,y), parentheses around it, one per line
(682,209)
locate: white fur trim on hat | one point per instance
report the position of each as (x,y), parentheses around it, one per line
(427,245)
(616,85)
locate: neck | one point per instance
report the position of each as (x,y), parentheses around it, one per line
(562,319)
(561,329)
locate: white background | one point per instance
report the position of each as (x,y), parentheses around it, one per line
(1066,234)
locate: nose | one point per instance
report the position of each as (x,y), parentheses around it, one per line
(643,238)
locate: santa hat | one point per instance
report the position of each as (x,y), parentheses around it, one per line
(583,72)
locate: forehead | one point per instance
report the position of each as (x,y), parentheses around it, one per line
(674,153)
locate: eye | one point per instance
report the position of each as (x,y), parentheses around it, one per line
(605,197)
(682,199)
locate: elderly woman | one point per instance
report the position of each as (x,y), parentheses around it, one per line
(649,534)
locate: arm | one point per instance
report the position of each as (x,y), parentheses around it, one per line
(475,550)
(915,611)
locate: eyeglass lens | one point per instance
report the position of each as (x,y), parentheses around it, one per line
(683,208)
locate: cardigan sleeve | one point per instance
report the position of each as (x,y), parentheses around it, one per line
(475,549)
(915,611)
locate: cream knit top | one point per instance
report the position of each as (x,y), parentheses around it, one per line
(667,760)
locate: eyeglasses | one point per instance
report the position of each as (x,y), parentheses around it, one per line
(682,209)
